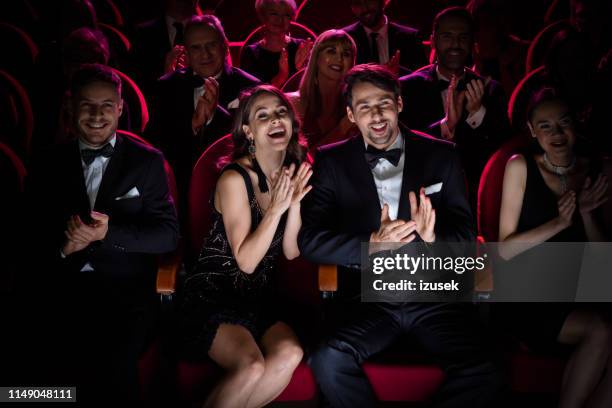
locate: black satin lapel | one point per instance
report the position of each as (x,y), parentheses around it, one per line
(365,179)
(78,181)
(412,178)
(111,174)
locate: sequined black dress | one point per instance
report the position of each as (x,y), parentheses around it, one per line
(217,291)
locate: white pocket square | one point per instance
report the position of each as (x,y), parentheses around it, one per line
(133,193)
(434,188)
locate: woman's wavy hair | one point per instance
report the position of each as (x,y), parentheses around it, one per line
(296,151)
(309,86)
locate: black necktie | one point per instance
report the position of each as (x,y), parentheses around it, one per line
(178,38)
(374,47)
(89,155)
(373,154)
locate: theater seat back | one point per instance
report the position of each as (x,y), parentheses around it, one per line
(201,187)
(491,186)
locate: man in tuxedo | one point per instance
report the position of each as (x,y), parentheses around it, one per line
(107,215)
(381,41)
(452,102)
(364,192)
(159,42)
(190,106)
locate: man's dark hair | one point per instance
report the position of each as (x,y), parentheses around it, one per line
(90,73)
(458,12)
(375,74)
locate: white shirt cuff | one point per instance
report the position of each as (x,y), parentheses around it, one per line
(475,119)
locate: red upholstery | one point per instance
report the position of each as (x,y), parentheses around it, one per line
(119,43)
(540,44)
(238,17)
(203,180)
(16,118)
(490,188)
(133,96)
(293,83)
(108,12)
(403,382)
(517,104)
(321,15)
(20,170)
(535,373)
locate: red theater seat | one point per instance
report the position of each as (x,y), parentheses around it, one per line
(16,117)
(541,42)
(135,100)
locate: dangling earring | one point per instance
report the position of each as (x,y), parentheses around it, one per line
(252,148)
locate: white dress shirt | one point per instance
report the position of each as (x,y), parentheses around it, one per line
(94,172)
(388,179)
(382,41)
(93,177)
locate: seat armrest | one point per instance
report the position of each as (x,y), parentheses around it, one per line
(483,279)
(328,280)
(167,271)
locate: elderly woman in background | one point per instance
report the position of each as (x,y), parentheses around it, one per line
(277,56)
(319,100)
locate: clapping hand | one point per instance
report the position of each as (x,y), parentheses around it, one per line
(455,102)
(566,206)
(592,194)
(300,182)
(207,103)
(423,215)
(393,231)
(474,92)
(394,63)
(303,53)
(176,58)
(79,234)
(281,192)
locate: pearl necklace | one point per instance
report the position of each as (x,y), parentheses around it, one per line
(560,171)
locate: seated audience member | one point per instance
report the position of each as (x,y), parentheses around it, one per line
(277,56)
(107,214)
(500,54)
(362,193)
(453,102)
(554,193)
(383,42)
(229,311)
(319,101)
(158,43)
(49,97)
(188,112)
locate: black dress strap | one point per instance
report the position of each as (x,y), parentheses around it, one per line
(245,176)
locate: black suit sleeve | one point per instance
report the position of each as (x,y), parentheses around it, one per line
(453,216)
(318,239)
(155,231)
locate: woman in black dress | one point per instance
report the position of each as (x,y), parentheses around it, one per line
(277,56)
(553,193)
(229,311)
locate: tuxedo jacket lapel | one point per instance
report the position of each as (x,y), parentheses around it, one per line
(363,176)
(76,182)
(412,178)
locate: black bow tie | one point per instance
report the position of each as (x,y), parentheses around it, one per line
(89,155)
(373,154)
